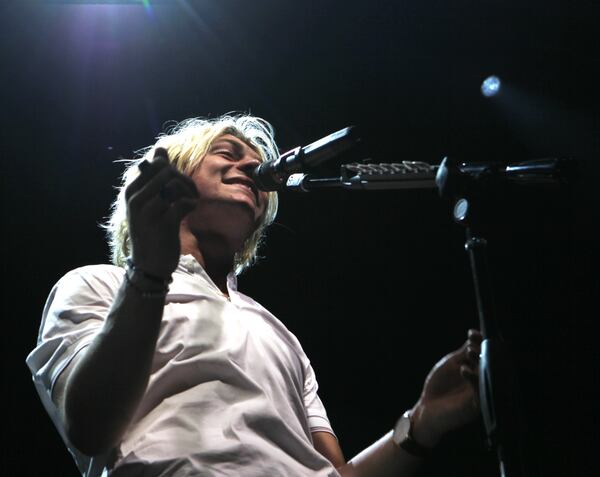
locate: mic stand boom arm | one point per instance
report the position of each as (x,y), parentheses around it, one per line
(421,175)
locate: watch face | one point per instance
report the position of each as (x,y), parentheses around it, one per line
(401,430)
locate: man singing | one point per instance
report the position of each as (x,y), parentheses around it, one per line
(158,366)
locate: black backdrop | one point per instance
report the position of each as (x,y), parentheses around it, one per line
(375,284)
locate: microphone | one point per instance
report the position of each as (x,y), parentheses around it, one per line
(272,175)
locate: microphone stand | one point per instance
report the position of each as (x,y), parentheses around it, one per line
(466,185)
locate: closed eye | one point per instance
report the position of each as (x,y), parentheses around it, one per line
(225,153)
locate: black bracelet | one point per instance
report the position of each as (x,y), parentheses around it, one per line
(155,278)
(145,294)
(164,284)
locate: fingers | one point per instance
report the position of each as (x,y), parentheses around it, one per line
(470,374)
(474,335)
(174,189)
(473,344)
(181,208)
(468,355)
(160,184)
(472,351)
(469,362)
(148,169)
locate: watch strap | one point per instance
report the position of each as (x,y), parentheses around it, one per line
(410,445)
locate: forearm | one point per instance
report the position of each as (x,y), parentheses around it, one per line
(381,459)
(107,383)
(386,458)
(448,401)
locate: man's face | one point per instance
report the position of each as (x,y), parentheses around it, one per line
(224,184)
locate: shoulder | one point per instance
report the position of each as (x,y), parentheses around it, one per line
(102,279)
(264,312)
(82,295)
(94,272)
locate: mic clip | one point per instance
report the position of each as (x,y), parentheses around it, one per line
(272,175)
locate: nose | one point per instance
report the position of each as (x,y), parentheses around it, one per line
(248,164)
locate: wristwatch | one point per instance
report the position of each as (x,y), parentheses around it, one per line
(402,437)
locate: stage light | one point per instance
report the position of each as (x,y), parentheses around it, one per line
(490,86)
(88,4)
(103,2)
(144,3)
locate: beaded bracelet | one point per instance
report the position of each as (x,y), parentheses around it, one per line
(131,268)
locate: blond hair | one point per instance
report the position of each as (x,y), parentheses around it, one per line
(187,143)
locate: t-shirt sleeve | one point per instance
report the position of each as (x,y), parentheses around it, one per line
(74,312)
(315,410)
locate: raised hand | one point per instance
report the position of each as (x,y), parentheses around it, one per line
(157,200)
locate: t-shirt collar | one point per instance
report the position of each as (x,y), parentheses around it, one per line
(189,264)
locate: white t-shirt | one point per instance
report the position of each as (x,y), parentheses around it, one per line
(231,391)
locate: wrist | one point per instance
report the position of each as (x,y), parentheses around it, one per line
(403,437)
(162,279)
(423,429)
(146,284)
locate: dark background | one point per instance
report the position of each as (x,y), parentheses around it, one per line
(376,285)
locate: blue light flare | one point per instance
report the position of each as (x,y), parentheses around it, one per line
(147,4)
(490,86)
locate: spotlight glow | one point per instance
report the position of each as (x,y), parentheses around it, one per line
(145,3)
(490,86)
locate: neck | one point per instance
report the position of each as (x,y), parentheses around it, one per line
(213,252)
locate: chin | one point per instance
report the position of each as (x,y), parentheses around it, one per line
(243,215)
(249,206)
